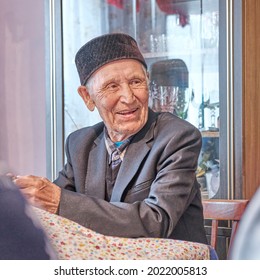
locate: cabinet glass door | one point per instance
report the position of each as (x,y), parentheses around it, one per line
(180,41)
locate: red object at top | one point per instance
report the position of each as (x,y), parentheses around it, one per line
(169,7)
(166,6)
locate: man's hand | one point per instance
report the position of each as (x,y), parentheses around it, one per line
(39,191)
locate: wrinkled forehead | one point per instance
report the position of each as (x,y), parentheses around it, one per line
(118,70)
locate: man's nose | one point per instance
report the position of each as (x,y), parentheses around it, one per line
(127,94)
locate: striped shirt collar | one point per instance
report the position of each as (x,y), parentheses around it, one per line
(119,146)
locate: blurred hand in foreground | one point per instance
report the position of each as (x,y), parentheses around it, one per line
(39,191)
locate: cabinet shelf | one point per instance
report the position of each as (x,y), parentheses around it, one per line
(212,134)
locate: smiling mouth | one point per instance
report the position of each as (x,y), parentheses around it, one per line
(127,112)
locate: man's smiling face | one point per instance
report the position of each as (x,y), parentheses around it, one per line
(119,90)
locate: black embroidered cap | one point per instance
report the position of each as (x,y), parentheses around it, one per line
(104,49)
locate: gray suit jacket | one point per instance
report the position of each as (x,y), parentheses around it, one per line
(156,193)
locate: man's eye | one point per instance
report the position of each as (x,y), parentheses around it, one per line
(136,83)
(111,86)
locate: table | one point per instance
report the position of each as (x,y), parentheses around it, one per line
(72,241)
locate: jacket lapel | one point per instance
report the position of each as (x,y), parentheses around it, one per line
(135,154)
(96,171)
(133,157)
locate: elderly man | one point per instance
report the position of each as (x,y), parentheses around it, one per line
(132,175)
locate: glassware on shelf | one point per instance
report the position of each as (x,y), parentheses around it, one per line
(169,99)
(158,43)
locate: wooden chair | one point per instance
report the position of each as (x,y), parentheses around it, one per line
(223,210)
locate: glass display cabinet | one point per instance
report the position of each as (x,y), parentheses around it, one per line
(189,46)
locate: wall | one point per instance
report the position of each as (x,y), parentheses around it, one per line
(251,97)
(22,86)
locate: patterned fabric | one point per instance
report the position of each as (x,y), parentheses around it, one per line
(72,241)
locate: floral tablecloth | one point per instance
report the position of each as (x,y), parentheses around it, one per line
(75,242)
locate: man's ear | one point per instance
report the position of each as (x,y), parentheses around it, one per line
(83,92)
